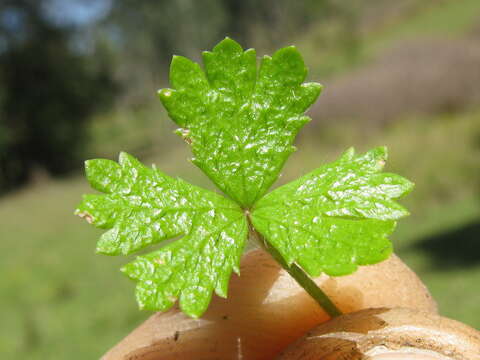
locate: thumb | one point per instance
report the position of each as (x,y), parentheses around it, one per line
(387,334)
(266,310)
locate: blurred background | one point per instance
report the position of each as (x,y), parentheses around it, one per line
(78,79)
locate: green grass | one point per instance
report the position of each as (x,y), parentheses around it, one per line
(451,17)
(448,18)
(447,258)
(59,300)
(443,19)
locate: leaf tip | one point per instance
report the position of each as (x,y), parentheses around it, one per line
(88,163)
(164,93)
(381,152)
(84,215)
(90,168)
(228,42)
(290,48)
(176,58)
(406,187)
(348,154)
(103,251)
(184,134)
(236,268)
(122,156)
(127,160)
(289,53)
(409,185)
(179,64)
(316,86)
(378,155)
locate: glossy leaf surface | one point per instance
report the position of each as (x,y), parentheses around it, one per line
(240,122)
(336,217)
(142,206)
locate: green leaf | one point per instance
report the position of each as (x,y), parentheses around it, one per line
(240,122)
(142,206)
(336,217)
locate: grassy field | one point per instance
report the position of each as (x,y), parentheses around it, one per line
(428,19)
(59,300)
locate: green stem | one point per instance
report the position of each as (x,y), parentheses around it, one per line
(297,273)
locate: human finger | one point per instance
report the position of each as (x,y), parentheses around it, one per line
(266,310)
(387,334)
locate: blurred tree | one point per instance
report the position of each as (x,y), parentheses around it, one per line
(189,26)
(48,90)
(146,33)
(272,21)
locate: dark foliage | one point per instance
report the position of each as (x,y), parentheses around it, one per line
(456,248)
(48,90)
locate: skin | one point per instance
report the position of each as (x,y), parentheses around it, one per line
(412,356)
(387,334)
(266,311)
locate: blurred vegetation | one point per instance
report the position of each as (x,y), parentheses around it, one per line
(49,91)
(402,74)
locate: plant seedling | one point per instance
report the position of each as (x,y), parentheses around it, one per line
(241,123)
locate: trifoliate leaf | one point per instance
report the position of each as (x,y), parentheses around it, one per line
(241,124)
(336,217)
(142,206)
